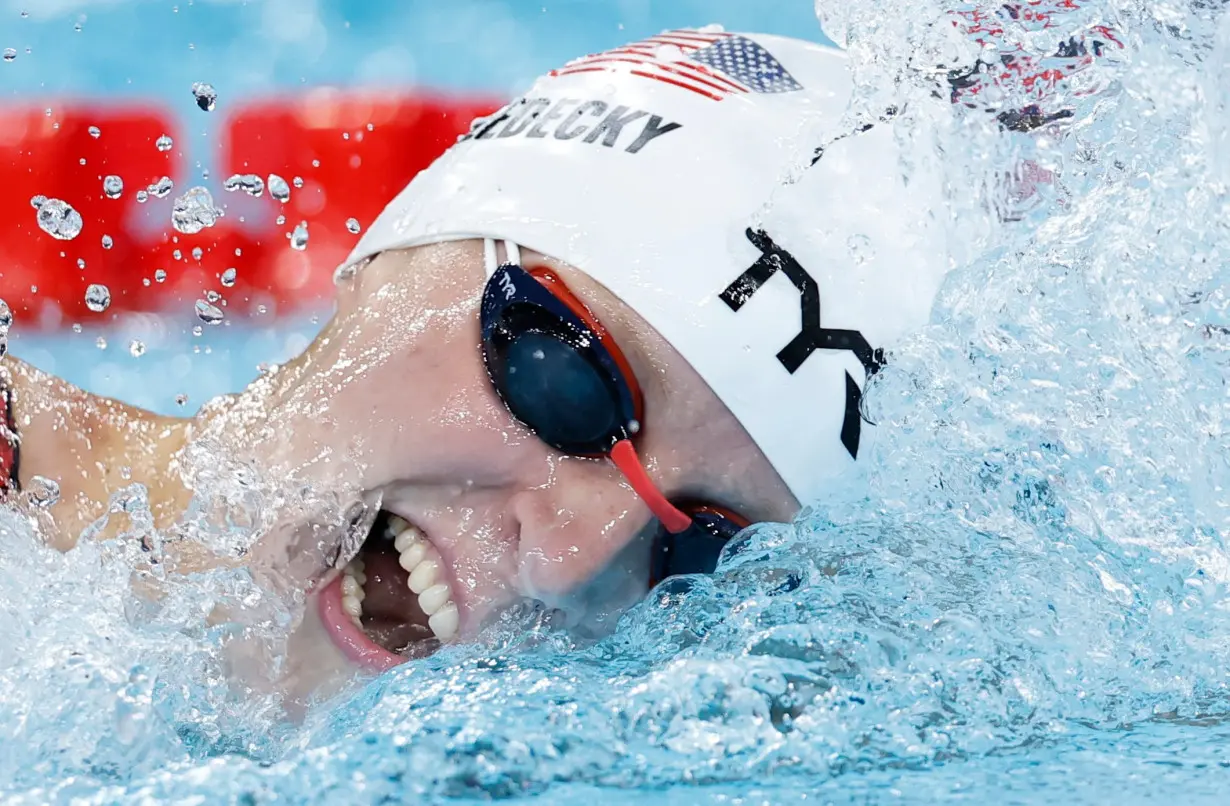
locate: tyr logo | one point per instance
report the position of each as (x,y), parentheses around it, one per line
(812,336)
(506,285)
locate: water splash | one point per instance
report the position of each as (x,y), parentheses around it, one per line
(1027,582)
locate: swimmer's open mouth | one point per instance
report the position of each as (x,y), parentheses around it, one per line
(394,600)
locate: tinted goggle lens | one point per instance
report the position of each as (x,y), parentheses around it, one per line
(695,550)
(559,392)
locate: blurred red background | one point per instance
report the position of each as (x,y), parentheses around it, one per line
(353,153)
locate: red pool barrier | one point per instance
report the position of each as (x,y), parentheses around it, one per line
(351,153)
(65,154)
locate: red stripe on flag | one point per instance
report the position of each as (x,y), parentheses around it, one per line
(706,39)
(688,71)
(680,84)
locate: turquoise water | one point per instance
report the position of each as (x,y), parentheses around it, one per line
(1022,599)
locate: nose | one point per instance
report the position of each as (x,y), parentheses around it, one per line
(576,526)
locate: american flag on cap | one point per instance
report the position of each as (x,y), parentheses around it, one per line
(714,65)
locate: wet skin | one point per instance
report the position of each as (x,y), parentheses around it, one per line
(392,401)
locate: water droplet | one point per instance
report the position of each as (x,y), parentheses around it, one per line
(164,143)
(142,197)
(181,399)
(95,132)
(59,220)
(352,225)
(10,54)
(196,331)
(297,181)
(280,220)
(44,492)
(278,188)
(194,211)
(212,296)
(37,201)
(208,313)
(100,343)
(97,297)
(299,238)
(76,327)
(162,188)
(160,275)
(113,186)
(178,255)
(251,184)
(197,252)
(206,96)
(136,348)
(107,242)
(261,310)
(81,263)
(228,278)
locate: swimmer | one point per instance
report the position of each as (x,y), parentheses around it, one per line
(623,318)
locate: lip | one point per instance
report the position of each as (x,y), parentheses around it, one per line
(353,643)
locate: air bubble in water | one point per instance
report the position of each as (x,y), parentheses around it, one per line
(162,188)
(113,186)
(278,188)
(208,313)
(228,278)
(212,296)
(181,399)
(95,132)
(107,242)
(100,343)
(136,348)
(10,54)
(160,275)
(352,225)
(164,143)
(206,96)
(44,492)
(251,184)
(299,238)
(297,181)
(197,252)
(81,263)
(59,220)
(142,197)
(97,297)
(194,211)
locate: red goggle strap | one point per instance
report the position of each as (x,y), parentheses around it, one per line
(671,517)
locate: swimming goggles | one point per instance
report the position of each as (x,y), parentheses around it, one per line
(561,374)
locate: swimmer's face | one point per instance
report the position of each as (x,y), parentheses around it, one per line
(394,398)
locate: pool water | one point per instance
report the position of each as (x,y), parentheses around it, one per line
(1022,598)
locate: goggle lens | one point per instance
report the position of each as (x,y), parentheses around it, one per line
(559,392)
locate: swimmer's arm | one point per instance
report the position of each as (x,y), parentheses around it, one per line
(92,447)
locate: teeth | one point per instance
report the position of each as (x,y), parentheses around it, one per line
(424,575)
(435,597)
(352,591)
(413,555)
(444,621)
(425,567)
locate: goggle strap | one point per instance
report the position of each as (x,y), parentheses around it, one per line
(491,258)
(673,519)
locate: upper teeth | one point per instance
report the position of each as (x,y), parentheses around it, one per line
(422,562)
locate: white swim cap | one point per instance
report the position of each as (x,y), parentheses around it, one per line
(674,171)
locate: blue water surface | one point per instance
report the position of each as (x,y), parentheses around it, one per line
(1022,598)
